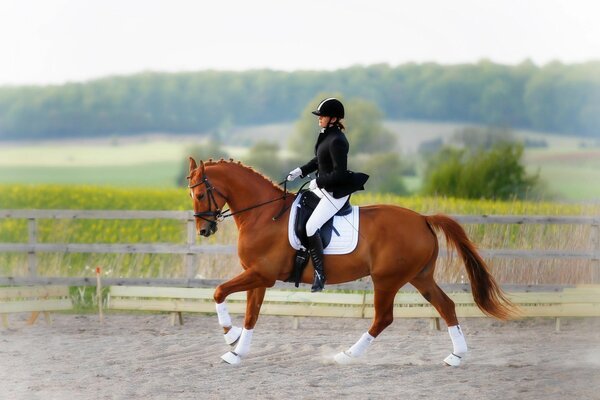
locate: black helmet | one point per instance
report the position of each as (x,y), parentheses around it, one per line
(330,107)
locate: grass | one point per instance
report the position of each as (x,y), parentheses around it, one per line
(159,174)
(572,173)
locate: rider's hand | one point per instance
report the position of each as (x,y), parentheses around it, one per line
(295,173)
(313,185)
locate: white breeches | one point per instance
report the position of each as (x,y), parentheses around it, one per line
(326,209)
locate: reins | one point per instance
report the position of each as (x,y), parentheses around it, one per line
(283,208)
(219,215)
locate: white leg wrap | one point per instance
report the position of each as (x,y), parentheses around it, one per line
(223,314)
(243,346)
(458,340)
(233,335)
(359,347)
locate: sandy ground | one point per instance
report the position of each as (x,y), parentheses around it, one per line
(143,357)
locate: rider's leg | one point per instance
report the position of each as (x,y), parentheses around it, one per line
(326,209)
(315,249)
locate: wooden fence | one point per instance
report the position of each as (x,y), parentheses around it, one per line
(577,301)
(189,250)
(550,300)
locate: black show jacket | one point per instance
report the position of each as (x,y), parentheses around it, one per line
(331,162)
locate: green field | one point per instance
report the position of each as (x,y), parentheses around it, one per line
(570,172)
(158,174)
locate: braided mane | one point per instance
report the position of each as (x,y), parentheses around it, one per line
(239,164)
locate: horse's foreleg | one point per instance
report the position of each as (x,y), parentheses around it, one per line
(231,333)
(255,284)
(254,302)
(384,316)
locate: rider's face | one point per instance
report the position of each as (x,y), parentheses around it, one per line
(324,121)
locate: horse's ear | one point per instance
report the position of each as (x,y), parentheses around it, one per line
(193,165)
(202,167)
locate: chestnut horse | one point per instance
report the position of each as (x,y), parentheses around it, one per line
(396,246)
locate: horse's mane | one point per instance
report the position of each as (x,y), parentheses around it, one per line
(238,164)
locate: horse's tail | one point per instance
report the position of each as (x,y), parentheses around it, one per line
(487,294)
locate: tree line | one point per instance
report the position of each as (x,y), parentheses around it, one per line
(555,97)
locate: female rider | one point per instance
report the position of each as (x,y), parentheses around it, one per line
(334,183)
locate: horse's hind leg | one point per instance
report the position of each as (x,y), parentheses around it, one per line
(445,306)
(384,316)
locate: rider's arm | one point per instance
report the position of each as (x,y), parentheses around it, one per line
(309,167)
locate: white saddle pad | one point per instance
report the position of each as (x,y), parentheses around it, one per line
(347,227)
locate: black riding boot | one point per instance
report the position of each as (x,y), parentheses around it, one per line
(315,250)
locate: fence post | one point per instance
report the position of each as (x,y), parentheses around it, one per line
(32,240)
(190,258)
(596,248)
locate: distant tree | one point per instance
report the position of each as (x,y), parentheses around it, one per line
(555,97)
(431,146)
(264,157)
(535,143)
(497,173)
(385,173)
(482,139)
(211,149)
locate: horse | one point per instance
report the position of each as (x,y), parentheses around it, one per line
(396,246)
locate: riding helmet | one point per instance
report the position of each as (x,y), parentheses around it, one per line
(330,107)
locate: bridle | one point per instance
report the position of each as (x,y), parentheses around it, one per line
(217,214)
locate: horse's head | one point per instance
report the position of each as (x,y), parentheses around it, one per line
(208,201)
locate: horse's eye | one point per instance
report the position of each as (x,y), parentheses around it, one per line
(200,196)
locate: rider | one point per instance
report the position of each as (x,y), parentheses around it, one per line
(334,183)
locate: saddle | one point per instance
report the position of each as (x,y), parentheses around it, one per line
(307,204)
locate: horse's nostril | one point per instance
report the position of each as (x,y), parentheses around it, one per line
(203,232)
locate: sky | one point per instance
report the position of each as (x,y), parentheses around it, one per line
(57,41)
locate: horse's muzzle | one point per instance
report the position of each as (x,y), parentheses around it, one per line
(206,232)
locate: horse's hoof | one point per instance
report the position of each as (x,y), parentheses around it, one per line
(453,360)
(231,358)
(233,335)
(342,358)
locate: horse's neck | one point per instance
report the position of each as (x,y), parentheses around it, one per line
(245,189)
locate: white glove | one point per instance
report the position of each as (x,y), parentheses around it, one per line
(294,174)
(313,185)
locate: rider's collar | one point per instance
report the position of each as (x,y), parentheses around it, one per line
(328,128)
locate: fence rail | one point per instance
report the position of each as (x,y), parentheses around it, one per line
(212,283)
(190,249)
